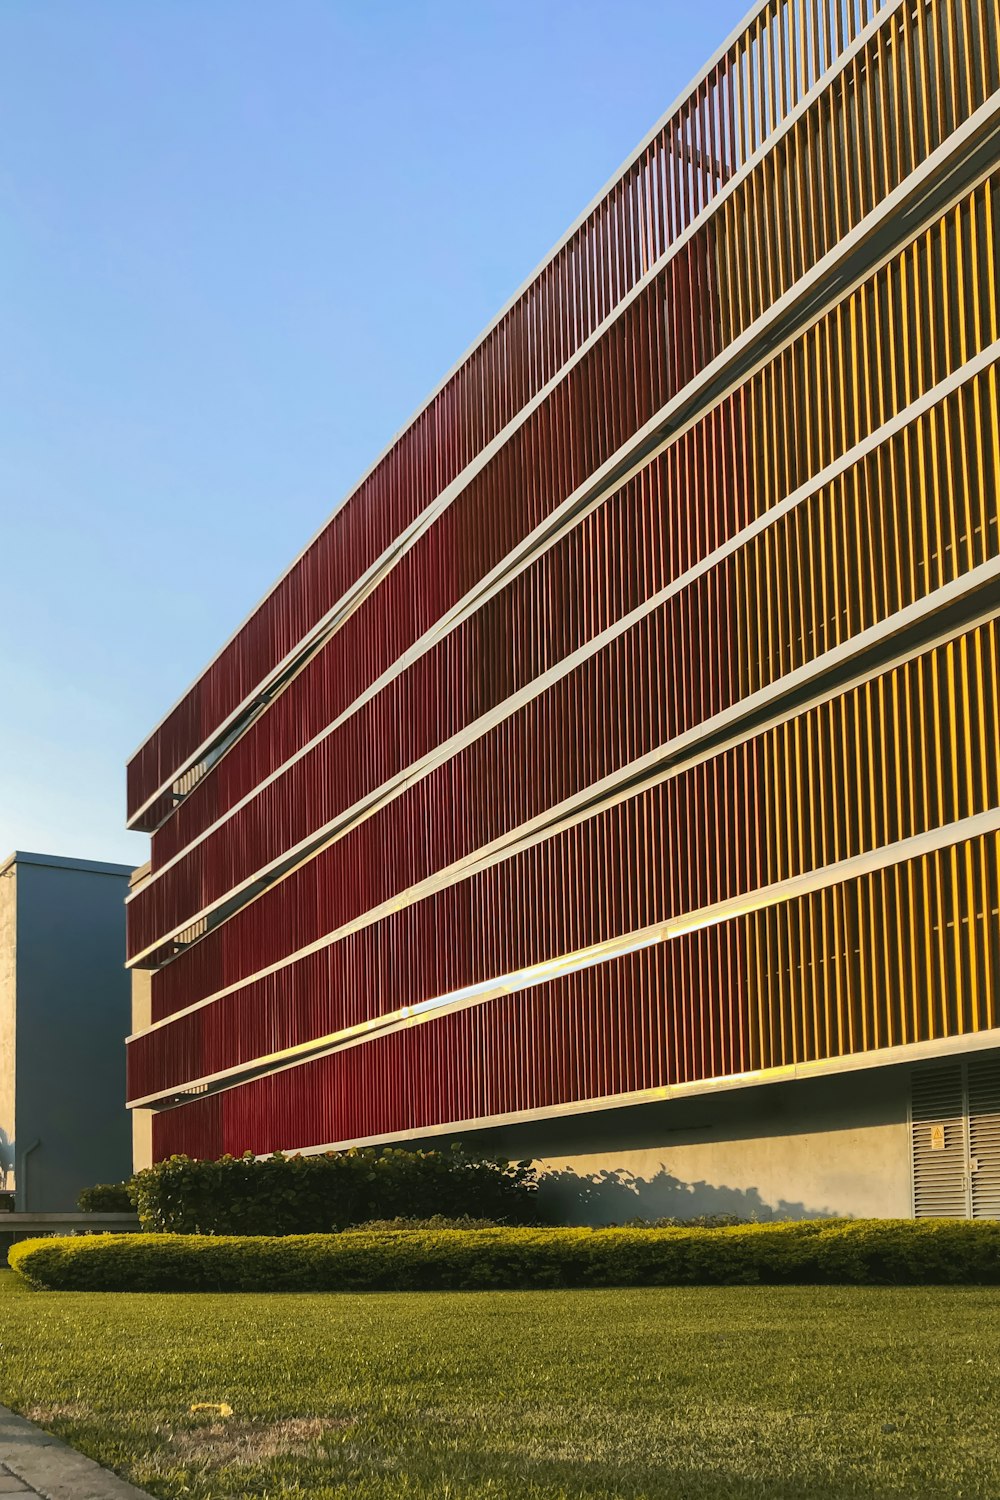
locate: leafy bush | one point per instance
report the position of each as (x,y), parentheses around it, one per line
(107,1198)
(319,1194)
(699,1221)
(436,1221)
(929,1251)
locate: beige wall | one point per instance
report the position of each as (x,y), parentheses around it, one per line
(860,1172)
(142,1119)
(142,1014)
(835,1145)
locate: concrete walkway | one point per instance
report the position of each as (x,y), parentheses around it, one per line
(33,1462)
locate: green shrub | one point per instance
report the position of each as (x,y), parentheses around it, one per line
(930,1251)
(107,1198)
(319,1194)
(700,1221)
(436,1221)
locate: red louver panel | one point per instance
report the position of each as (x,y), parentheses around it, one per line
(603,1031)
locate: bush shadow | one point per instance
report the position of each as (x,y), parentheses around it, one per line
(615,1196)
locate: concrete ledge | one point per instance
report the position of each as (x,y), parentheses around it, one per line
(60,862)
(49,1468)
(48,1223)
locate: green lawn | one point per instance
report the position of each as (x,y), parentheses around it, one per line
(783,1393)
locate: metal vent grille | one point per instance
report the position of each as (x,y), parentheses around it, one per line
(984,1136)
(955,1139)
(939,1143)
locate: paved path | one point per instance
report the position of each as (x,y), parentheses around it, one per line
(33,1462)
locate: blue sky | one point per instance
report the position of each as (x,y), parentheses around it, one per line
(240,242)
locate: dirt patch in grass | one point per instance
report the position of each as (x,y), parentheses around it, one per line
(215,1445)
(58,1411)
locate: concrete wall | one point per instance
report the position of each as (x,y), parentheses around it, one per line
(835,1145)
(72,1016)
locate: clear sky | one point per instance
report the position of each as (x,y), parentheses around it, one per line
(240,242)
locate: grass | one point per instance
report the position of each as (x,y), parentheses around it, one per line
(785,1393)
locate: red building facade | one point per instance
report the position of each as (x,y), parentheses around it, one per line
(633,728)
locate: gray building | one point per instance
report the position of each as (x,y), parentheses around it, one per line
(64,1015)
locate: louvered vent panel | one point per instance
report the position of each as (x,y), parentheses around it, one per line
(984,1135)
(939,1170)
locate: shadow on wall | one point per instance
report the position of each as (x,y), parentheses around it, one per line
(614,1197)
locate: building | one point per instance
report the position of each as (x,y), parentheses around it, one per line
(614,779)
(64,1007)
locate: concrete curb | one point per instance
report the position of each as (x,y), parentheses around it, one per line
(49,1468)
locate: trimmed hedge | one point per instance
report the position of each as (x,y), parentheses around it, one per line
(903,1252)
(284,1195)
(436,1221)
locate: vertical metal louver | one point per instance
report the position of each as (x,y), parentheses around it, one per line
(984,1136)
(939,1143)
(955,1139)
